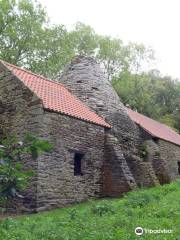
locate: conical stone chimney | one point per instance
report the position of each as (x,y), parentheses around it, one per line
(123,168)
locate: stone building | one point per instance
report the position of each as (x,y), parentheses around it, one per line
(162,146)
(98,144)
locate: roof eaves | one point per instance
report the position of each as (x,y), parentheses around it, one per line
(106,125)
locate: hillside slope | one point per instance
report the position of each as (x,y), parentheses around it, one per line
(155,208)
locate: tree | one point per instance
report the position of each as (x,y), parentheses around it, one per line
(133,90)
(112,55)
(22,24)
(54,52)
(140,58)
(28,39)
(151,94)
(84,39)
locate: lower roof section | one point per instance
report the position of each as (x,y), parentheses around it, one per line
(154,128)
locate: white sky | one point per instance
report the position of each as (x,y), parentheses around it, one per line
(155,23)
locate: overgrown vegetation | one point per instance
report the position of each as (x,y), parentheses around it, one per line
(102,208)
(155,208)
(13,153)
(143,151)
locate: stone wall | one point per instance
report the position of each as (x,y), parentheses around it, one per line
(86,80)
(117,177)
(164,157)
(57,185)
(111,163)
(21,112)
(158,163)
(170,153)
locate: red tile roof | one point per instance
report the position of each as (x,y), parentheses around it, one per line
(55,96)
(155,128)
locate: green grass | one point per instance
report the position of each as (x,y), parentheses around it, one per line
(155,208)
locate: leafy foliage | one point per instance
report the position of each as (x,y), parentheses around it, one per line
(151,94)
(13,176)
(27,38)
(102,208)
(21,26)
(143,151)
(85,40)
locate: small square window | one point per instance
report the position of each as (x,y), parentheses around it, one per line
(77,164)
(156,140)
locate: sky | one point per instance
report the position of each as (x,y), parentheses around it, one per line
(155,23)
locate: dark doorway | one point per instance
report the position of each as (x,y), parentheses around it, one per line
(77,164)
(179,167)
(1,136)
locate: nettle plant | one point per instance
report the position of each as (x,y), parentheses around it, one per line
(13,177)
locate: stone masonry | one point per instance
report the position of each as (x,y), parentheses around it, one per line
(55,184)
(111,159)
(21,112)
(122,166)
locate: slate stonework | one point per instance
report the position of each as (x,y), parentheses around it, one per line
(86,80)
(170,153)
(21,113)
(164,157)
(111,163)
(57,185)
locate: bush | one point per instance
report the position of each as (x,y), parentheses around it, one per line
(13,177)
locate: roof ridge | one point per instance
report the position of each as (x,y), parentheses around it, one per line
(35,74)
